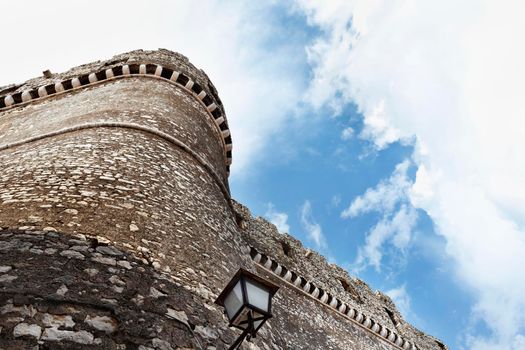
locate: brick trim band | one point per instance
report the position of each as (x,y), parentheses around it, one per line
(328,300)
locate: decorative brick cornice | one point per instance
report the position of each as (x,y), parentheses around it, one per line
(150,70)
(330,301)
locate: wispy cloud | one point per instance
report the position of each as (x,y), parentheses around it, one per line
(313,229)
(336,200)
(396,230)
(347,133)
(390,198)
(279,219)
(451,75)
(385,196)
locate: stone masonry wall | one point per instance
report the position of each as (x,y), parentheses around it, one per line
(118,231)
(63,291)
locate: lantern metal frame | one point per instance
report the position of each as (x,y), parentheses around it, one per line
(246,308)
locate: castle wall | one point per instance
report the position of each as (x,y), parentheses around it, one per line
(118,230)
(61,291)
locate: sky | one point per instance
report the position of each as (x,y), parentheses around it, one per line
(386,134)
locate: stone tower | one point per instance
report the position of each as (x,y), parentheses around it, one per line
(118,230)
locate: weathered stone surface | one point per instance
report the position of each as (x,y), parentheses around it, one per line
(109,250)
(56,335)
(104,260)
(102,323)
(24,329)
(72,254)
(7,278)
(4,269)
(56,321)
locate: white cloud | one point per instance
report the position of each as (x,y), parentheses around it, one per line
(390,198)
(229,41)
(336,200)
(397,229)
(347,133)
(279,219)
(313,229)
(384,196)
(450,74)
(378,128)
(518,343)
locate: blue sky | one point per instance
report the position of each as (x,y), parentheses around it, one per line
(387,134)
(313,163)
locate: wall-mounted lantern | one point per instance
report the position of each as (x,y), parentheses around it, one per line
(247,300)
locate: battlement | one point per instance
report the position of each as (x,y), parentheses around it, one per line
(162,64)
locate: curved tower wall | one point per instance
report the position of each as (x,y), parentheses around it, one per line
(118,231)
(136,159)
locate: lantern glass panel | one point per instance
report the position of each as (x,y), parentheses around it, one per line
(234,301)
(257,324)
(258,296)
(241,321)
